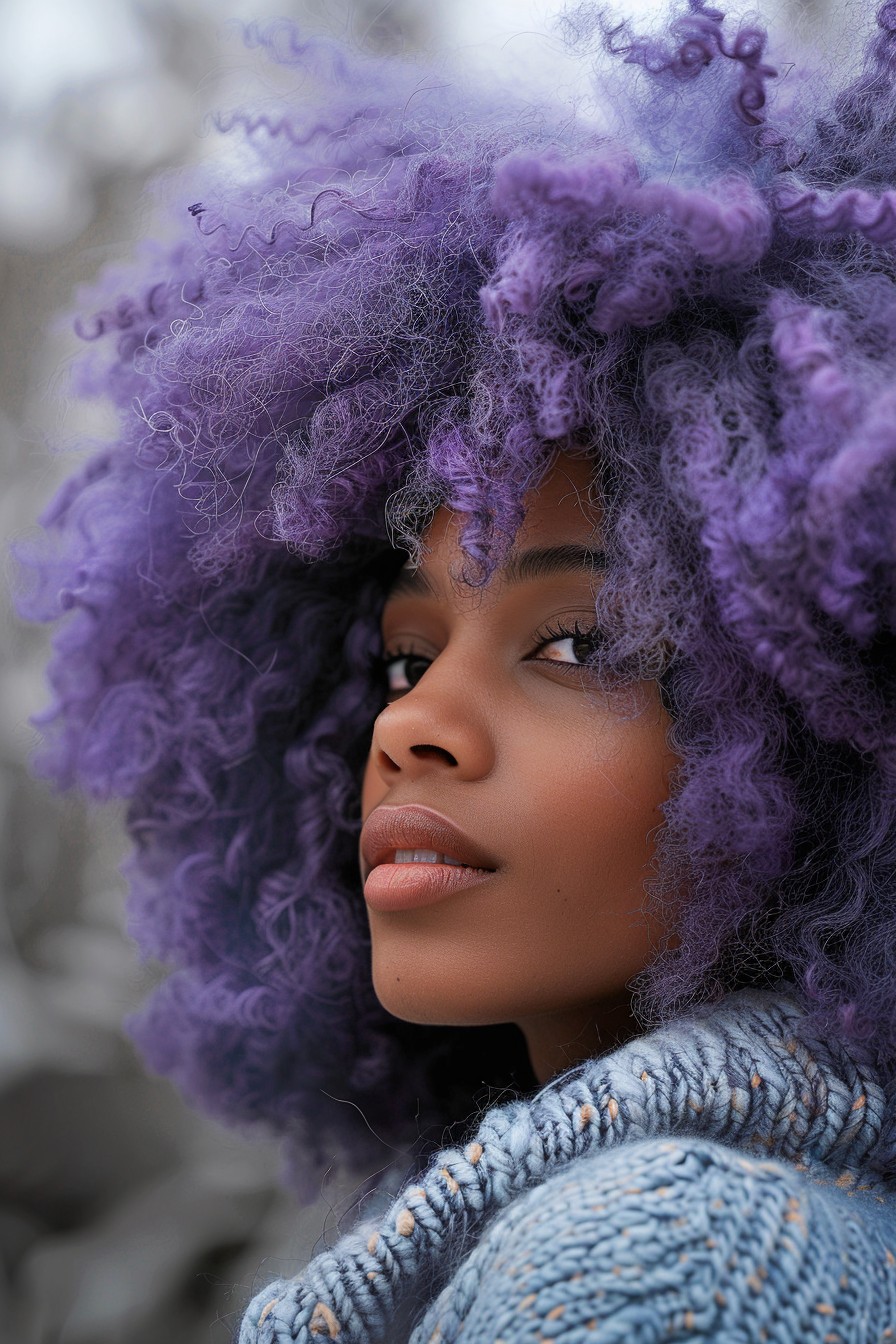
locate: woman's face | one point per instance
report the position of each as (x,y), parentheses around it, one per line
(493,727)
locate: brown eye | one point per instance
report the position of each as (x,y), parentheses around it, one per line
(404,670)
(571,647)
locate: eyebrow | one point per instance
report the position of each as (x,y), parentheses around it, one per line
(538,562)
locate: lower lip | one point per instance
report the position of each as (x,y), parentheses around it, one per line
(406,886)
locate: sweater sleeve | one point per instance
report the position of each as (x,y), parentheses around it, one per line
(682,1239)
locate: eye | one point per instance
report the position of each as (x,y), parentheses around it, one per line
(571,648)
(567,649)
(403,669)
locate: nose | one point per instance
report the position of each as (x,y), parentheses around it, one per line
(441,724)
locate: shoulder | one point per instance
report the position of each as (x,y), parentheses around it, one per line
(683,1237)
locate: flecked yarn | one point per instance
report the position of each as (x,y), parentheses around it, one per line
(726,1177)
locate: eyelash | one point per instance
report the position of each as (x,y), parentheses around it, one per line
(548,634)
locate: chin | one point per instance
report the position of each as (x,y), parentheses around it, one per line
(453,993)
(418,994)
(412,1003)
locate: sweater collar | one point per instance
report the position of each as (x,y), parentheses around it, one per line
(749,1072)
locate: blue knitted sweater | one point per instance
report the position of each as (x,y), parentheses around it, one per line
(727,1178)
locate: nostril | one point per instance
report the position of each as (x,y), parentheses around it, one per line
(426,749)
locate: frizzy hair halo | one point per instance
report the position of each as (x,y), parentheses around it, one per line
(410,300)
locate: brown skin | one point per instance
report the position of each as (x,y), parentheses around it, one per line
(506,737)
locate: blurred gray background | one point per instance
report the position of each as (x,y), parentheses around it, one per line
(124,1217)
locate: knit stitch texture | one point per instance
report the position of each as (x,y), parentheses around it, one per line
(726,1177)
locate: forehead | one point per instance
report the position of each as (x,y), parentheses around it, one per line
(563,509)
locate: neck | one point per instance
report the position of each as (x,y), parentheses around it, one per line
(556,1041)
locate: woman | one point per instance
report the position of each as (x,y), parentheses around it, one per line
(573,448)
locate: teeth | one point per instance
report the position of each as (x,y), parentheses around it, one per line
(426,856)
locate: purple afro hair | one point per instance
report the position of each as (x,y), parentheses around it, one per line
(410,298)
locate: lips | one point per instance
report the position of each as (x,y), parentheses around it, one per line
(414,826)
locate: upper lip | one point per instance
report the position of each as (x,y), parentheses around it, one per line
(416,827)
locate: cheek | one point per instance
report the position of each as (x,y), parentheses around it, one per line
(593,805)
(583,836)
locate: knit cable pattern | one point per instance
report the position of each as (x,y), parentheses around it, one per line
(744,1074)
